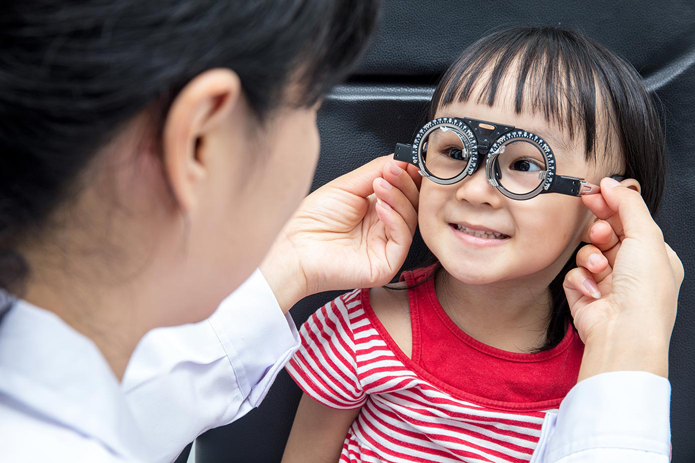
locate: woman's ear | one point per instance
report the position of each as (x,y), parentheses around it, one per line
(198,110)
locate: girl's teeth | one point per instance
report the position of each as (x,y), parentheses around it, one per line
(480,234)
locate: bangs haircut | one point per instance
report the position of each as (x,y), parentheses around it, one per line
(575,83)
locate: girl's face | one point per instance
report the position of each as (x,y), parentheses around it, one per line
(537,236)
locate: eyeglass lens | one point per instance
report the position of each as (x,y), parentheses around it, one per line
(444,154)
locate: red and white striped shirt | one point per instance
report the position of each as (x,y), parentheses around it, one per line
(455,400)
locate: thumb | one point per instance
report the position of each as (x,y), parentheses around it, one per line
(359,182)
(633,212)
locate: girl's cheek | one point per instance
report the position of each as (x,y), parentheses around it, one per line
(430,199)
(545,223)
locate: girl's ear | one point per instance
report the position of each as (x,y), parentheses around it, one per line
(629,183)
(632,184)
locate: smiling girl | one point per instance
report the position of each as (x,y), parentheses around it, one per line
(463,359)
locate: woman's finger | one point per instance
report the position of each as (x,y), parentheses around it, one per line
(635,220)
(583,281)
(396,176)
(398,235)
(605,205)
(413,171)
(591,258)
(598,206)
(359,181)
(578,284)
(396,200)
(602,210)
(676,265)
(603,237)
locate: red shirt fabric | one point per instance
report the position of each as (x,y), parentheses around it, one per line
(448,353)
(455,400)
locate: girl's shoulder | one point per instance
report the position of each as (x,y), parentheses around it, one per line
(391,306)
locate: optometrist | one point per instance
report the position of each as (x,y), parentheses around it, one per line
(150,155)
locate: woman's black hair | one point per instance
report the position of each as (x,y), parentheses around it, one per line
(578,84)
(73,73)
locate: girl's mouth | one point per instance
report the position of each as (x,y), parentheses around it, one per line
(490,235)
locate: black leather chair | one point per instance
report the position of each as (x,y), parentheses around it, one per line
(384,103)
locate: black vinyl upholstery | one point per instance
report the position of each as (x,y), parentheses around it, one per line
(385,101)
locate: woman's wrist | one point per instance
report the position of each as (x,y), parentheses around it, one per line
(284,274)
(616,347)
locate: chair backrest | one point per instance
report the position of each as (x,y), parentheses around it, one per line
(385,102)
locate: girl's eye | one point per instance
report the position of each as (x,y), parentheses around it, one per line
(454,153)
(526,165)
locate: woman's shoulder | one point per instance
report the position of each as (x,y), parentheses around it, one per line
(391,307)
(56,442)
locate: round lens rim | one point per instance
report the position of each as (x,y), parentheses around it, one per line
(465,134)
(543,147)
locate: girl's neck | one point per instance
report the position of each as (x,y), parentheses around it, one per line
(511,315)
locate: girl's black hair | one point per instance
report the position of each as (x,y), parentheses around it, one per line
(578,84)
(73,73)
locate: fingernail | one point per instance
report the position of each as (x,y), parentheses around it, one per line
(395,170)
(384,205)
(386,184)
(610,183)
(592,288)
(595,259)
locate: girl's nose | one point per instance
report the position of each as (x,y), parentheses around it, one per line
(476,189)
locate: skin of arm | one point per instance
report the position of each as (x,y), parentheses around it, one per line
(318,432)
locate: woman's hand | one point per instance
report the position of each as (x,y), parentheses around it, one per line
(624,293)
(353,232)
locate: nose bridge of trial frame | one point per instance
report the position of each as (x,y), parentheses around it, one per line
(486,133)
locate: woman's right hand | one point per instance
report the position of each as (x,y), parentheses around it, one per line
(628,326)
(354,232)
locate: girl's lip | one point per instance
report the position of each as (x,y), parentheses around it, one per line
(478,228)
(477,241)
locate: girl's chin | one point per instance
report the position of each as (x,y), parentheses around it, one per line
(466,276)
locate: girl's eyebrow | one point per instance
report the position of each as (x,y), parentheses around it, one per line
(551,139)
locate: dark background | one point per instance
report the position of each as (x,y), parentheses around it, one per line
(384,103)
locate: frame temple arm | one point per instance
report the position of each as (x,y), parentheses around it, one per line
(404,153)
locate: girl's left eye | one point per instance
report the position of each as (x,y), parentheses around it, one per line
(455,153)
(526,165)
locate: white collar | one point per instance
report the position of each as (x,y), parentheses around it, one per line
(48,367)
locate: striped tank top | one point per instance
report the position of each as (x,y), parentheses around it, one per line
(455,400)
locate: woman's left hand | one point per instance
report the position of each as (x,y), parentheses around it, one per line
(624,293)
(353,232)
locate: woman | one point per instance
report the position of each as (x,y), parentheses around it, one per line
(151,152)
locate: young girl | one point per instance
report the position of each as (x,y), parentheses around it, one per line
(462,360)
